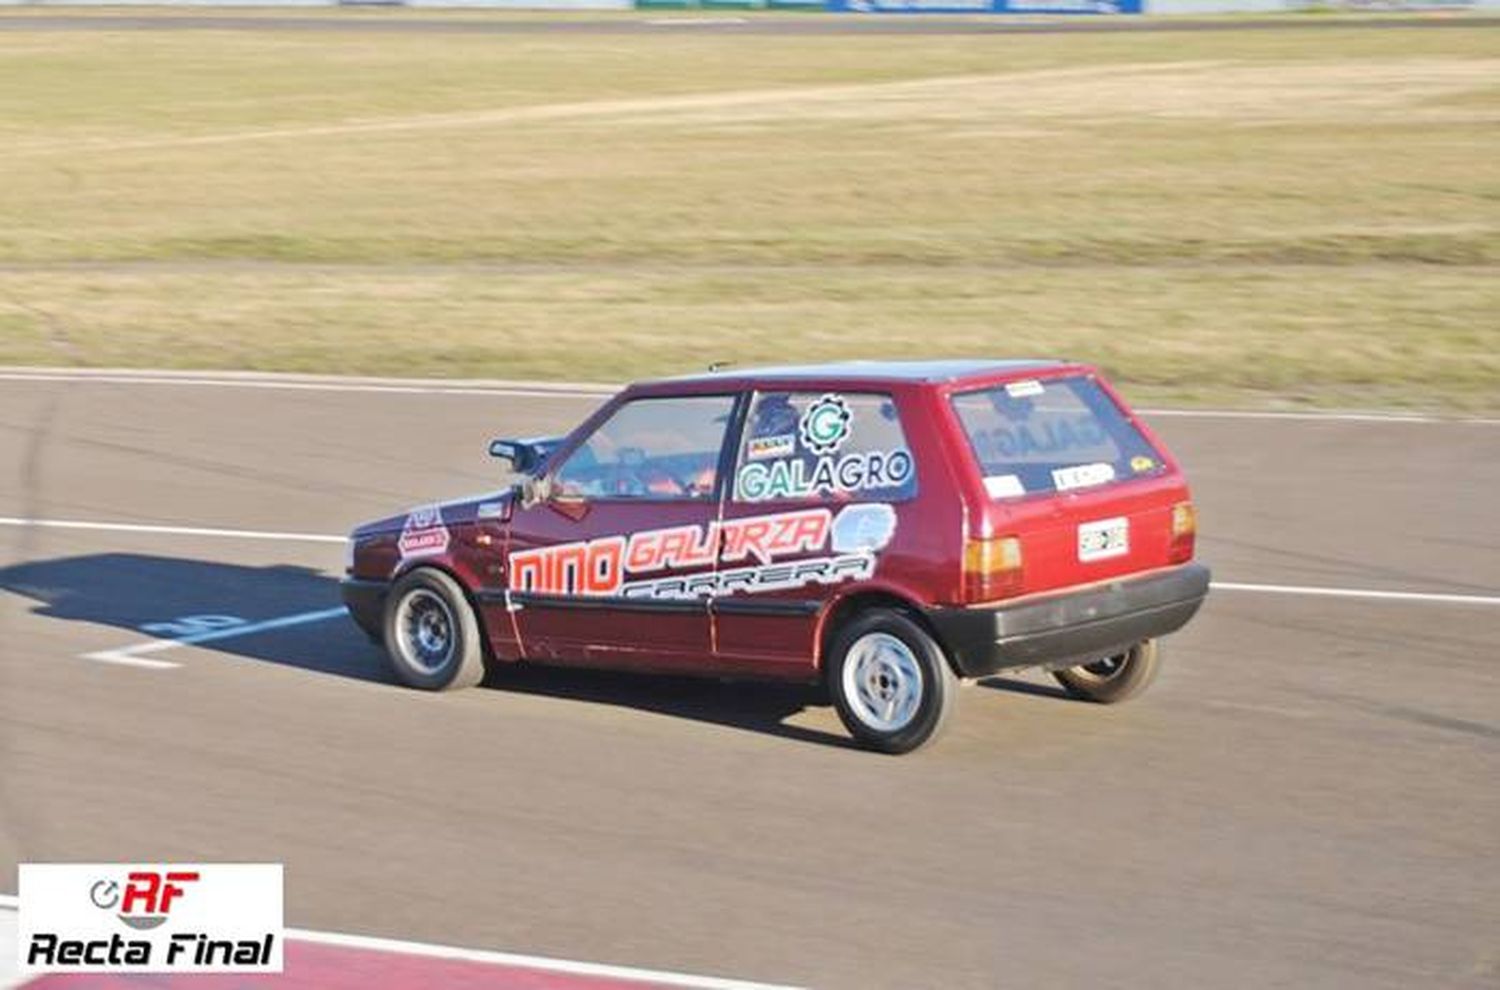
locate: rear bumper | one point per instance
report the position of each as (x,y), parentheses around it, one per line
(365,601)
(1070,627)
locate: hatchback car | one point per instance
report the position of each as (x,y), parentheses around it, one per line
(887,529)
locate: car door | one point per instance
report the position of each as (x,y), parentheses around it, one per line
(810,509)
(613,565)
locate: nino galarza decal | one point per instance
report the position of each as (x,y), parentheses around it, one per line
(763,553)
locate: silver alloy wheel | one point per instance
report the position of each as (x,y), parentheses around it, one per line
(425,631)
(882,682)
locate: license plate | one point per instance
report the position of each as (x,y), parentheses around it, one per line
(1104,539)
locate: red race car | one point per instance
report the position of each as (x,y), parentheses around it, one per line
(886,528)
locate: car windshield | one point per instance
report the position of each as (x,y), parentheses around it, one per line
(1052,435)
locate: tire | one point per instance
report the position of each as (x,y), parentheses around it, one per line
(1114,678)
(432,637)
(890,681)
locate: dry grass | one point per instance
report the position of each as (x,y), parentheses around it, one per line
(1215,217)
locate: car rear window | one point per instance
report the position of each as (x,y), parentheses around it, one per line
(1051,435)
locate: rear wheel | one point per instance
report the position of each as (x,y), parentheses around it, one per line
(1113,678)
(431,635)
(890,681)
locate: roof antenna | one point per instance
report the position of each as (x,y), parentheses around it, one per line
(718,366)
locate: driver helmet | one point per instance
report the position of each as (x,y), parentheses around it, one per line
(774,416)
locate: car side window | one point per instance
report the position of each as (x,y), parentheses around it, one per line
(824,446)
(664,448)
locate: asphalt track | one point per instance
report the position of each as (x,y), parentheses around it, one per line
(709,22)
(1306,798)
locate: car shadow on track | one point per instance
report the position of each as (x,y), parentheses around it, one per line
(754,706)
(148,596)
(1014,685)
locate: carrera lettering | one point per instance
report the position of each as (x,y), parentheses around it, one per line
(750,580)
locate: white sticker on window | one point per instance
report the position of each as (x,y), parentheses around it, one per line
(1023,389)
(1003,486)
(1082,476)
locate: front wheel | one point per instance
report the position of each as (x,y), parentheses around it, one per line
(1113,678)
(431,634)
(890,681)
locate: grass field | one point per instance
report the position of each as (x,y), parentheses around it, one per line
(1230,217)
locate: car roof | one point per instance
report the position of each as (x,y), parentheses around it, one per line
(930,372)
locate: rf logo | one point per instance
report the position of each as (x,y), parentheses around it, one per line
(147,899)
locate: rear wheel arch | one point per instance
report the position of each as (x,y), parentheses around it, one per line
(890,680)
(844,609)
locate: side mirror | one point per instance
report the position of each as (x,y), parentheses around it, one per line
(508,450)
(525,456)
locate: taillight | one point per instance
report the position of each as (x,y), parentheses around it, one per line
(992,568)
(1184,532)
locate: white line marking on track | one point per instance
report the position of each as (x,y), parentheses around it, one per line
(571,967)
(133,656)
(1337,417)
(1375,594)
(1370,593)
(163,530)
(693,21)
(10,902)
(328,387)
(575,390)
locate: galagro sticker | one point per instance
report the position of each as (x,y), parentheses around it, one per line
(423,533)
(759,448)
(1083,476)
(762,481)
(823,428)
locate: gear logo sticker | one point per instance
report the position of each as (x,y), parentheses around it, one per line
(826,424)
